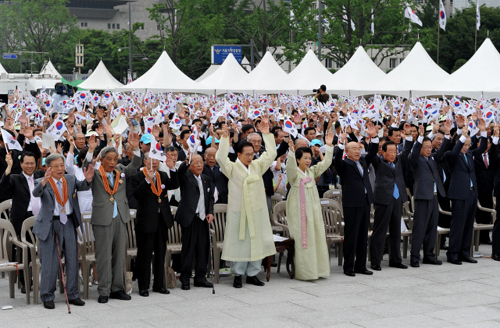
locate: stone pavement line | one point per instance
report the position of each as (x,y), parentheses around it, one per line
(430,296)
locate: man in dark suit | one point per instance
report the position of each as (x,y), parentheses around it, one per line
(59,213)
(463,191)
(486,166)
(19,188)
(153,220)
(357,197)
(29,145)
(217,179)
(389,196)
(194,214)
(427,185)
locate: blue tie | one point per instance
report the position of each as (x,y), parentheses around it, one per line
(466,161)
(395,193)
(112,183)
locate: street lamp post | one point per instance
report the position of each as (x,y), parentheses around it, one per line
(129,38)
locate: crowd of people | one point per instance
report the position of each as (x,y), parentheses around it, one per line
(108,153)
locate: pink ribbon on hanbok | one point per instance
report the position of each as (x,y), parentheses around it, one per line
(303,218)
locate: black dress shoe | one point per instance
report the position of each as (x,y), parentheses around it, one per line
(350,273)
(364,271)
(161,290)
(255,281)
(468,260)
(49,305)
(23,289)
(77,301)
(102,299)
(237,282)
(203,283)
(455,261)
(398,265)
(120,295)
(496,257)
(144,293)
(432,260)
(414,264)
(376,267)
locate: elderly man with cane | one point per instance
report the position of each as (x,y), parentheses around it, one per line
(55,225)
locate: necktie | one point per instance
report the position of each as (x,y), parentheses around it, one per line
(111,184)
(466,161)
(201,201)
(360,168)
(62,216)
(485,161)
(395,193)
(35,205)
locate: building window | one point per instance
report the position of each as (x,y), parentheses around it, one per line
(113,26)
(401,60)
(109,26)
(393,62)
(329,63)
(83,24)
(142,27)
(117,26)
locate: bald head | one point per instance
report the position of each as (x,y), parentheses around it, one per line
(353,151)
(299,143)
(196,166)
(210,156)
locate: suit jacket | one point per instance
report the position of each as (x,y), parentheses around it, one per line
(486,176)
(426,173)
(386,176)
(268,176)
(16,186)
(43,222)
(353,184)
(102,207)
(462,170)
(217,180)
(147,202)
(190,194)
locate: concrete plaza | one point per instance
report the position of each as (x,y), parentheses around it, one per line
(466,295)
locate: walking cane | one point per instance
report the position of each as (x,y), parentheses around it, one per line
(211,260)
(62,272)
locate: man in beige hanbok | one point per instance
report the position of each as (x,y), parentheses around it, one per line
(248,237)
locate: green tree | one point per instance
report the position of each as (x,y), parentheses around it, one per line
(46,26)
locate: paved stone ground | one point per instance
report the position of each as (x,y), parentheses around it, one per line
(430,296)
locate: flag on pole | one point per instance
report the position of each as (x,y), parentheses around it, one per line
(478,16)
(353,27)
(156,152)
(129,78)
(10,142)
(409,13)
(442,16)
(373,23)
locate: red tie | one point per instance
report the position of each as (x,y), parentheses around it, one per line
(485,160)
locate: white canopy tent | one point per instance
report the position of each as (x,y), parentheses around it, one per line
(49,69)
(474,77)
(2,70)
(267,78)
(416,72)
(100,79)
(224,79)
(165,76)
(359,73)
(308,75)
(212,69)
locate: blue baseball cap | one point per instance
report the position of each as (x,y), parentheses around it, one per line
(209,141)
(316,142)
(146,138)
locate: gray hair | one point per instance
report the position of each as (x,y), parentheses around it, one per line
(255,134)
(108,149)
(52,157)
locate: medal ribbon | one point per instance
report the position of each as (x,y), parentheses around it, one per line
(155,189)
(106,183)
(62,201)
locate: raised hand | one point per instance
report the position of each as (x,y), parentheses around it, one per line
(496,130)
(291,145)
(460,121)
(28,132)
(343,137)
(421,130)
(371,129)
(329,138)
(92,142)
(482,125)
(407,128)
(156,132)
(150,173)
(88,173)
(225,131)
(446,127)
(133,140)
(47,176)
(264,125)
